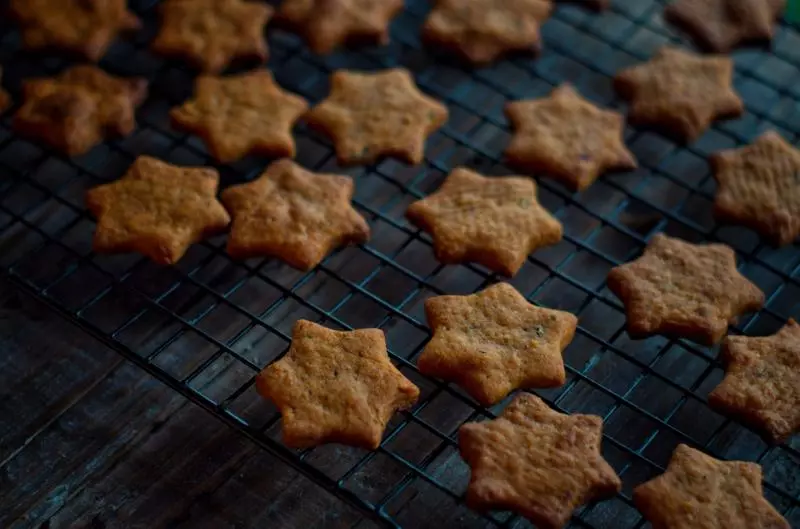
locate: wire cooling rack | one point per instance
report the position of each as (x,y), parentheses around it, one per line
(206,326)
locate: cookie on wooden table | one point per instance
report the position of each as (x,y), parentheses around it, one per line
(700,492)
(79,108)
(242,114)
(293,214)
(372,115)
(494,221)
(536,462)
(335,387)
(759,186)
(567,137)
(685,290)
(157,209)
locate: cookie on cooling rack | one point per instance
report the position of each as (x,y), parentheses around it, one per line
(536,462)
(699,491)
(79,108)
(684,290)
(335,387)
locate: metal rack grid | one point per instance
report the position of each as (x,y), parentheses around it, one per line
(206,326)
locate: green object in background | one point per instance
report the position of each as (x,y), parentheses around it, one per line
(793,13)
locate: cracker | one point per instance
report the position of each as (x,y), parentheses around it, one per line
(85,28)
(762,382)
(372,115)
(328,24)
(759,186)
(700,492)
(494,221)
(494,342)
(481,31)
(536,462)
(680,91)
(293,214)
(567,137)
(335,387)
(210,34)
(721,25)
(242,114)
(684,290)
(79,108)
(157,209)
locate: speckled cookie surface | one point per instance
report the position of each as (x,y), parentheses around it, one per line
(293,214)
(373,115)
(722,25)
(679,91)
(700,492)
(494,221)
(210,34)
(536,462)
(759,186)
(685,290)
(157,209)
(494,342)
(86,27)
(79,108)
(328,24)
(335,387)
(567,137)
(762,382)
(481,31)
(242,114)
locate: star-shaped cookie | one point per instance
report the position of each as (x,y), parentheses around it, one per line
(567,137)
(328,24)
(85,28)
(681,91)
(157,209)
(494,342)
(685,290)
(293,214)
(536,462)
(700,492)
(242,114)
(77,109)
(721,25)
(372,115)
(212,33)
(494,221)
(762,382)
(481,31)
(759,186)
(335,387)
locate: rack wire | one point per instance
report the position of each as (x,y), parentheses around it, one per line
(206,326)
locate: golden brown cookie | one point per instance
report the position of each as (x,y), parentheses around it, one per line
(681,91)
(5,99)
(293,214)
(211,34)
(494,221)
(494,342)
(721,25)
(567,137)
(759,186)
(372,115)
(482,31)
(328,24)
(157,209)
(762,382)
(335,387)
(83,27)
(700,492)
(685,290)
(240,115)
(77,109)
(536,462)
